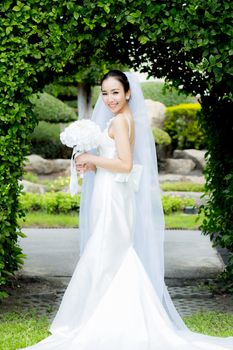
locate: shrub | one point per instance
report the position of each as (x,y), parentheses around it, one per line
(61,202)
(51,203)
(51,109)
(162,140)
(64,92)
(31,201)
(182,125)
(175,203)
(46,141)
(161,137)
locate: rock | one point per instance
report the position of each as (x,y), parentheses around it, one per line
(41,166)
(156,113)
(31,187)
(61,165)
(179,166)
(195,155)
(181,178)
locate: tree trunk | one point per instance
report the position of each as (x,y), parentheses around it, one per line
(84,101)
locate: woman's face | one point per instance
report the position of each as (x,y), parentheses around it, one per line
(114,95)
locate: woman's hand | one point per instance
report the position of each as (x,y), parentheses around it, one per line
(90,167)
(82,163)
(84,158)
(80,168)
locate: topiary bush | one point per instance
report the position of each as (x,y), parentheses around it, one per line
(161,137)
(182,125)
(162,140)
(46,141)
(51,109)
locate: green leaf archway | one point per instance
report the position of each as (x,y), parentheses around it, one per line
(190,44)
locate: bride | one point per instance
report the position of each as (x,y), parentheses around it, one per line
(117,299)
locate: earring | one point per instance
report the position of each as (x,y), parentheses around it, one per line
(127,98)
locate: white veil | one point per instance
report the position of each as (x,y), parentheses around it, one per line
(149,225)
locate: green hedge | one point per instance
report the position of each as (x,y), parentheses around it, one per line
(172,204)
(51,203)
(182,125)
(50,112)
(46,141)
(51,109)
(61,202)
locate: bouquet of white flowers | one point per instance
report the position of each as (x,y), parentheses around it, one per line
(82,135)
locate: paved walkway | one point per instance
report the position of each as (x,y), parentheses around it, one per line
(55,252)
(52,255)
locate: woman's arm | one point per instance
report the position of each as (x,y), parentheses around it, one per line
(124,162)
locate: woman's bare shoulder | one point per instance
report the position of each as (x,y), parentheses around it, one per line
(119,119)
(122,118)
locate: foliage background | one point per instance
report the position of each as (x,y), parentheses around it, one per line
(182,125)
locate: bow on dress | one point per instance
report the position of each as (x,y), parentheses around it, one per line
(133,177)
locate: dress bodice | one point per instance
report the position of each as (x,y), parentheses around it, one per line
(107,146)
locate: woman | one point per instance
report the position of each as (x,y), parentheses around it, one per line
(117,299)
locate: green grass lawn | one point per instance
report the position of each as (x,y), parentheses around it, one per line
(21,330)
(182,186)
(182,221)
(211,323)
(41,219)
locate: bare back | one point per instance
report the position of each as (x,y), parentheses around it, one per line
(131,128)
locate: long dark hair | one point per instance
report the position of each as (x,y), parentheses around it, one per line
(118,75)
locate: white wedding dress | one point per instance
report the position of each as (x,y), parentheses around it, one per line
(110,303)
